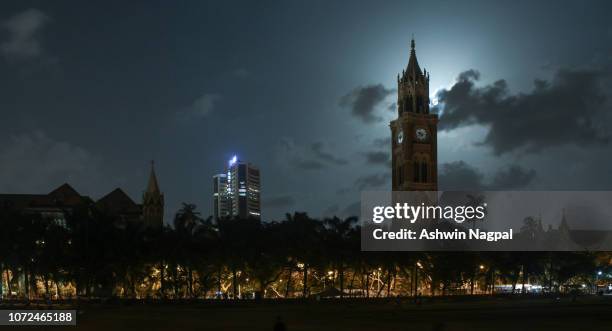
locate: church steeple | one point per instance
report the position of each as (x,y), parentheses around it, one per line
(153,202)
(563,226)
(153,187)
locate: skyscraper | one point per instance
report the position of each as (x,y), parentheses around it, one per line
(220,196)
(236,192)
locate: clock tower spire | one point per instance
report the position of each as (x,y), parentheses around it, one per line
(414,132)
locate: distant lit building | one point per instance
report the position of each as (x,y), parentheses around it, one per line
(221,203)
(236,193)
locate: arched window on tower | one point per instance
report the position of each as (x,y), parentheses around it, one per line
(419,104)
(415,167)
(400,175)
(408,104)
(424,172)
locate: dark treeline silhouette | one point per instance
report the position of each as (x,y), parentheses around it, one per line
(92,255)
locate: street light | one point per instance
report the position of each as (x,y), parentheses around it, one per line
(597,280)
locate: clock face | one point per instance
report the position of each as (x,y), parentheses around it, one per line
(400,137)
(421,134)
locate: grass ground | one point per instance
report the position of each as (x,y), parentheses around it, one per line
(588,313)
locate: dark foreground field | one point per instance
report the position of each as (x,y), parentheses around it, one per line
(587,313)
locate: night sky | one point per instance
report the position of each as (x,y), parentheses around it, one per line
(91,92)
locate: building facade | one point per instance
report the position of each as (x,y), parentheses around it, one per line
(220,196)
(57,204)
(53,206)
(414,132)
(237,192)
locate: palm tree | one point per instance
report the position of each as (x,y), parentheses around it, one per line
(234,241)
(303,238)
(7,227)
(92,256)
(186,220)
(129,260)
(337,243)
(97,253)
(265,260)
(51,255)
(30,232)
(205,236)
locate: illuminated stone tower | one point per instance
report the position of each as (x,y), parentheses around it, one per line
(414,132)
(153,203)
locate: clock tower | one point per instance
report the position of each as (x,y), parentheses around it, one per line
(414,133)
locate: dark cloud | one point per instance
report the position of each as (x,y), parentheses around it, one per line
(36,163)
(354,209)
(317,149)
(363,101)
(373,181)
(241,72)
(117,105)
(279,201)
(382,142)
(512,177)
(368,182)
(459,175)
(205,104)
(344,190)
(313,157)
(378,157)
(308,164)
(570,109)
(201,106)
(23,34)
(469,75)
(331,210)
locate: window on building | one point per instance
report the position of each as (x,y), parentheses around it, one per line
(400,175)
(424,172)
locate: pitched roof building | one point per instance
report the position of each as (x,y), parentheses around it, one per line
(117,204)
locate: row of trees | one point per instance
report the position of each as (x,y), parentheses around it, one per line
(91,254)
